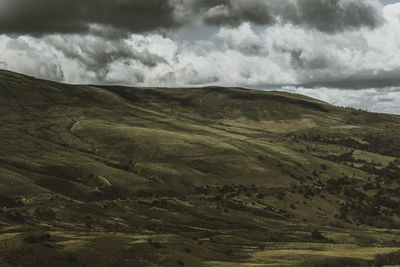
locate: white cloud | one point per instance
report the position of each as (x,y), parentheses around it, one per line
(383,100)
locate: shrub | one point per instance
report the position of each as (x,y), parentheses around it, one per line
(387,259)
(37,238)
(317,235)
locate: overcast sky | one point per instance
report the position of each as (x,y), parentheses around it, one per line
(346,52)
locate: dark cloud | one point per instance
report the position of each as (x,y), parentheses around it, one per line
(79,16)
(323,15)
(75,16)
(359,83)
(336,15)
(233,13)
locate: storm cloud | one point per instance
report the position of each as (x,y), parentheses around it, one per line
(324,15)
(76,16)
(334,15)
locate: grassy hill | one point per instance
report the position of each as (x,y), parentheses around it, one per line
(105,175)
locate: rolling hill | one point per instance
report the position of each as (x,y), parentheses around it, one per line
(108,175)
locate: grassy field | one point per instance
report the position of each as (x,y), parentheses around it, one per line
(118,176)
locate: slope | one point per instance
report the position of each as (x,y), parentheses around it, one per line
(227,169)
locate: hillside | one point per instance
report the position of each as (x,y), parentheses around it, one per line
(107,175)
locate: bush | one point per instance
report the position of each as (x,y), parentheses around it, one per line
(317,235)
(229,252)
(157,245)
(37,238)
(387,259)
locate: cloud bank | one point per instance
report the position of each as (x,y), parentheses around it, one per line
(76,16)
(260,44)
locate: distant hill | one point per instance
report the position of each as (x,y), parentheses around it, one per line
(192,176)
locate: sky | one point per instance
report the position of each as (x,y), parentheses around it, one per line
(345,52)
